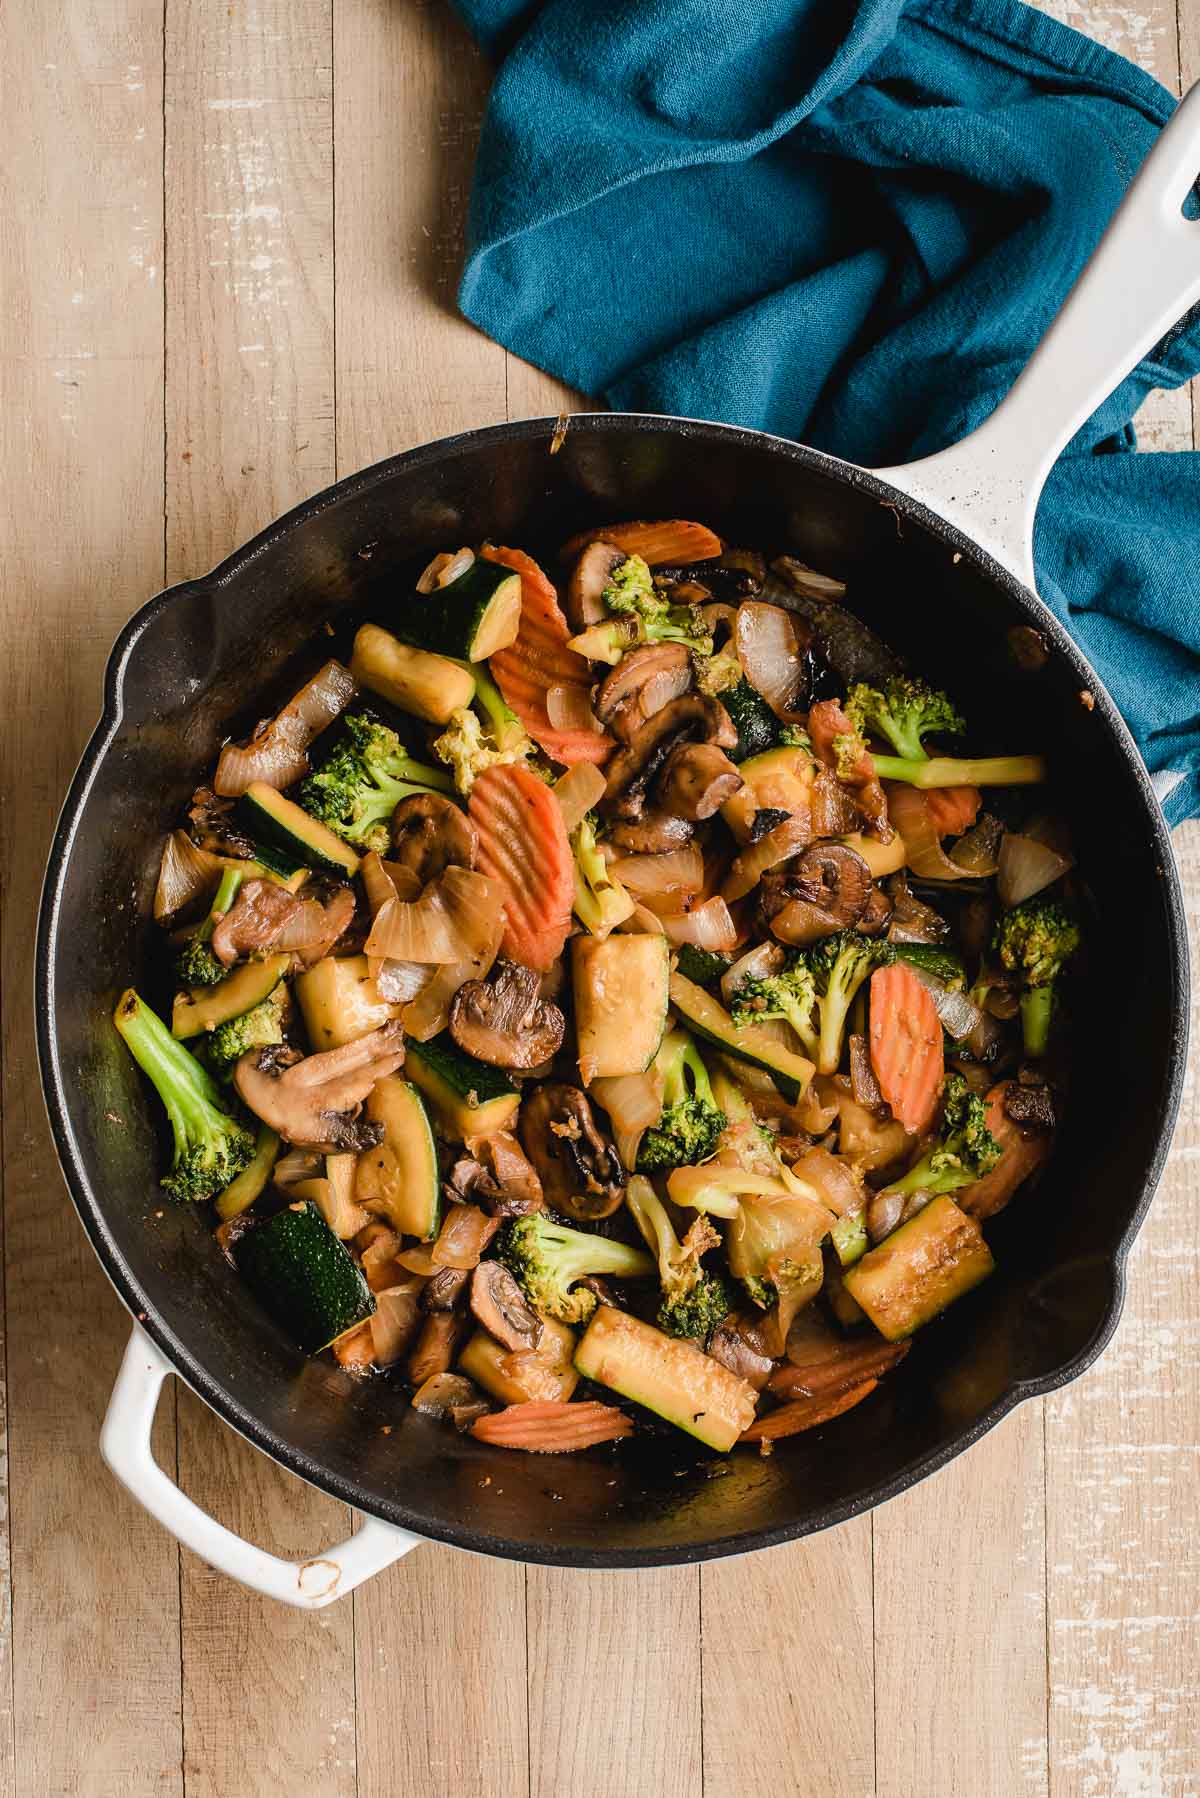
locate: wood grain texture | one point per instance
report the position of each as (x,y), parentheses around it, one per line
(94,1669)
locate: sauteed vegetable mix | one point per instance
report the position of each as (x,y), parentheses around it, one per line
(613,994)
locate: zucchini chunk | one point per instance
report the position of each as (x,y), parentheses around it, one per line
(777,780)
(756,724)
(546,1373)
(471,617)
(399,1179)
(919,1269)
(339,1002)
(239,992)
(429,686)
(708,1018)
(620,986)
(669,1375)
(469,1097)
(286,838)
(308,1280)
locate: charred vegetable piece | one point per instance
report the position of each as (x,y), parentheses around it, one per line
(471,617)
(758,729)
(399,1178)
(671,1377)
(621,994)
(806,1414)
(469,1097)
(922,1267)
(308,1280)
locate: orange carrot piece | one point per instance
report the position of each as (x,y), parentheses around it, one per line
(857,1361)
(1020,1154)
(805,1414)
(539,660)
(523,846)
(664,540)
(355,1349)
(951,810)
(552,1426)
(906,1045)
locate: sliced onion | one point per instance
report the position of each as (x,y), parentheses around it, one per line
(186,875)
(976,852)
(708,927)
(578,791)
(429,1013)
(377,884)
(444,568)
(800,923)
(395,1320)
(834,1181)
(444,1392)
(312,929)
(1026,867)
(277,753)
(451,922)
(769,651)
(570,708)
(633,1102)
(957,1014)
(808,582)
(463,1237)
(757,963)
(748,868)
(418,1260)
(679,871)
(399,982)
(641,922)
(922,846)
(863,1083)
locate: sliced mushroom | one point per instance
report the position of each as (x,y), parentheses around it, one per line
(654,833)
(642,683)
(876,913)
(579,1168)
(431,833)
(697,780)
(590,577)
(314,1101)
(737,1344)
(693,717)
(497,1175)
(505,1022)
(833,877)
(253,921)
(444,1288)
(500,1306)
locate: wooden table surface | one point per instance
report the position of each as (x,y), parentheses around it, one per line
(229,242)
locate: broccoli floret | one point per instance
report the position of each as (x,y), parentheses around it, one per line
(776,1224)
(691,1119)
(1036,940)
(794,736)
(693,1300)
(601,902)
(356,791)
(717,674)
(196,965)
(791,994)
(258,1028)
(468,748)
(966,1148)
(641,614)
(211,1148)
(839,965)
(902,712)
(548,1258)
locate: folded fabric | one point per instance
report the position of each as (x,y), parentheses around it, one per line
(847,225)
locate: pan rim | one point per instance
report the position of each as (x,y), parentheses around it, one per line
(89,1206)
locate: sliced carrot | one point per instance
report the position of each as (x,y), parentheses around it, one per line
(856,1362)
(805,1414)
(1020,1154)
(906,1045)
(552,1426)
(951,810)
(661,541)
(523,846)
(539,660)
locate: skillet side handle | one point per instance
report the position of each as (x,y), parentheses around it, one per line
(1143,276)
(308,1585)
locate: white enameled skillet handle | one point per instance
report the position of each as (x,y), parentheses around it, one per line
(1143,276)
(125,1445)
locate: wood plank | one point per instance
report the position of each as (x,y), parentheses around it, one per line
(789,1668)
(440,1639)
(95,1665)
(249,406)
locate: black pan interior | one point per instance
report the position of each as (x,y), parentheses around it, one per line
(224,649)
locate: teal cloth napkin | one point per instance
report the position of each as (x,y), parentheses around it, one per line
(847,225)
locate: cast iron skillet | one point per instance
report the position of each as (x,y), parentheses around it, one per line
(211,656)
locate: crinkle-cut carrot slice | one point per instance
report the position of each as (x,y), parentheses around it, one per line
(552,1426)
(805,1414)
(906,1045)
(539,660)
(857,1361)
(523,846)
(658,542)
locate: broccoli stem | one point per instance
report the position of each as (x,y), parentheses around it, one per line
(1037,1009)
(223,898)
(211,1148)
(962,771)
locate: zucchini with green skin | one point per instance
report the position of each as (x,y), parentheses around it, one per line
(919,1269)
(706,1018)
(668,1374)
(286,838)
(472,616)
(429,686)
(253,1180)
(469,1098)
(703,966)
(931,958)
(849,1237)
(399,1179)
(308,1280)
(620,983)
(239,992)
(756,724)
